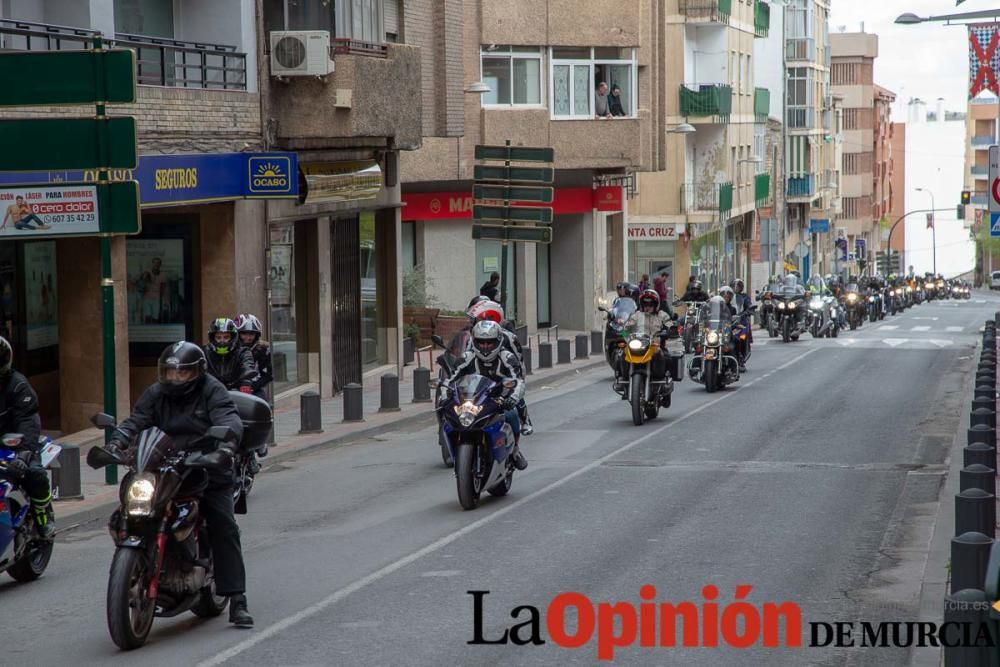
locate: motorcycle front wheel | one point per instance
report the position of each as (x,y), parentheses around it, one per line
(711,374)
(786,329)
(130,611)
(637,392)
(33,562)
(469,485)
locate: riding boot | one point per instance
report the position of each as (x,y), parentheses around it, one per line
(517,457)
(239,615)
(45,518)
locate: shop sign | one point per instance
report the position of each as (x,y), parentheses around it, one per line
(644,232)
(608,198)
(342,181)
(48,211)
(458,205)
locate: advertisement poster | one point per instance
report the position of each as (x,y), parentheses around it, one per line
(40,290)
(281,274)
(49,210)
(156,308)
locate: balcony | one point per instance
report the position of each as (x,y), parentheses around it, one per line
(367,97)
(801,188)
(706,197)
(761,103)
(761,18)
(983,141)
(980,171)
(800,48)
(978,198)
(707,11)
(801,117)
(706,100)
(831,179)
(762,188)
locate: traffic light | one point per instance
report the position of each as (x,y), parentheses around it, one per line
(966,197)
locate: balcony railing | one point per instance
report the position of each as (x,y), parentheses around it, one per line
(762,188)
(761,103)
(706,100)
(800,48)
(717,11)
(356,47)
(761,18)
(801,186)
(706,197)
(801,117)
(159,61)
(978,170)
(983,141)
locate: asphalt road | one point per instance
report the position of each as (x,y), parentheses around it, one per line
(814,480)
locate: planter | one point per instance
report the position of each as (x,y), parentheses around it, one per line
(408,347)
(447,326)
(423,318)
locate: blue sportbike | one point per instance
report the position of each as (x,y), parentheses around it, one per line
(23,554)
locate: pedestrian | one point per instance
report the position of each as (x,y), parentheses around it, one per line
(644,282)
(662,286)
(491,288)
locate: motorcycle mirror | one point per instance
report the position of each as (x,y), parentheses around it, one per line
(223,433)
(98,457)
(437,340)
(434,384)
(602,309)
(103,420)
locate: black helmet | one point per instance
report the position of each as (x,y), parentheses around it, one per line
(6,357)
(696,286)
(222,325)
(623,287)
(649,297)
(182,356)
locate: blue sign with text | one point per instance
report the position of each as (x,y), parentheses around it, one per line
(994,224)
(197,178)
(819,226)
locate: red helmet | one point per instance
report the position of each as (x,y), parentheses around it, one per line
(487,310)
(649,297)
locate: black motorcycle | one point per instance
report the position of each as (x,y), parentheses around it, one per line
(616,331)
(856,305)
(790,321)
(690,330)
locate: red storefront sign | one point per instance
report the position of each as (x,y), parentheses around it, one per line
(456,205)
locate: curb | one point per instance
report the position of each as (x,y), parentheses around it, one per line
(103,511)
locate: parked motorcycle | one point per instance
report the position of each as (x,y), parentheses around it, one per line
(714,363)
(479,439)
(162,565)
(257,420)
(23,555)
(646,395)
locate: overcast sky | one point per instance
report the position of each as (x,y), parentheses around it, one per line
(928,60)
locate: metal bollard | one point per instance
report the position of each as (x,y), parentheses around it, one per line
(983,434)
(985,391)
(984,403)
(968,607)
(983,416)
(581,346)
(563,351)
(66,483)
(526,358)
(978,476)
(545,355)
(310,413)
(353,403)
(970,554)
(979,453)
(421,385)
(390,393)
(596,342)
(975,511)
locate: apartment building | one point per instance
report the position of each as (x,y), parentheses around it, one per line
(897,183)
(980,133)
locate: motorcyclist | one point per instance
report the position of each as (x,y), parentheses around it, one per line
(228,361)
(730,310)
(493,311)
(488,358)
(652,321)
(626,289)
(19,414)
(694,292)
(184,403)
(742,304)
(741,298)
(250,331)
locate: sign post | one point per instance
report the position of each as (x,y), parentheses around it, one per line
(495,188)
(97,76)
(994,177)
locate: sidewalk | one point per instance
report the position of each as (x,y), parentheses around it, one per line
(100,498)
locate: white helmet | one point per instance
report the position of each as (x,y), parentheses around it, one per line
(486,339)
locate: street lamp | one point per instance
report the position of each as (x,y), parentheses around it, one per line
(904,217)
(683,128)
(933,230)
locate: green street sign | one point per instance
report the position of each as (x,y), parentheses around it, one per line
(68,209)
(527,234)
(539,214)
(119,207)
(67,77)
(55,144)
(522,174)
(511,193)
(515,153)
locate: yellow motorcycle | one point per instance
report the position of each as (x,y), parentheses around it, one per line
(645,394)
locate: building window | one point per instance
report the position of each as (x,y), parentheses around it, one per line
(514,75)
(361,20)
(577,72)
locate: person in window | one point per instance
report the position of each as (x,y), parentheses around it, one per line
(615,105)
(601,106)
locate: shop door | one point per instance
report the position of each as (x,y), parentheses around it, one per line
(345,299)
(544,295)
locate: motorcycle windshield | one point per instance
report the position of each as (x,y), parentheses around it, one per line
(711,313)
(853,287)
(470,386)
(623,309)
(150,448)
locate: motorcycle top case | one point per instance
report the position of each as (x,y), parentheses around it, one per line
(675,365)
(257,419)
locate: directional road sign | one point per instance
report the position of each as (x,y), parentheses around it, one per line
(511,193)
(30,78)
(515,153)
(539,214)
(511,233)
(57,144)
(540,175)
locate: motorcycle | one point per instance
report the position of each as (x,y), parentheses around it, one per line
(855,307)
(767,312)
(875,306)
(162,565)
(714,364)
(689,329)
(616,331)
(23,555)
(823,317)
(479,439)
(741,335)
(447,362)
(645,394)
(787,321)
(255,413)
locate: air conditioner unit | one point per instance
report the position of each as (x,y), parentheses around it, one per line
(301,53)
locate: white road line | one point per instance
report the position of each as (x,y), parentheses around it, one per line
(954,329)
(338,595)
(894,341)
(888,327)
(921,329)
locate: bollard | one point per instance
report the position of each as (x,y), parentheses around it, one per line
(390,393)
(421,385)
(310,413)
(978,476)
(968,607)
(985,403)
(526,358)
(983,416)
(563,351)
(581,346)
(985,391)
(970,554)
(596,342)
(545,355)
(983,434)
(66,483)
(979,453)
(353,403)
(975,511)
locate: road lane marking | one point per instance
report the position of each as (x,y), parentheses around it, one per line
(888,327)
(955,329)
(921,329)
(338,595)
(894,341)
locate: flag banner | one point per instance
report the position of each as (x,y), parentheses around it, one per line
(984,58)
(930,221)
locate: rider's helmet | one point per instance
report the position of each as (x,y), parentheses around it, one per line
(623,289)
(649,299)
(222,335)
(180,368)
(487,310)
(486,338)
(477,299)
(738,285)
(727,293)
(249,329)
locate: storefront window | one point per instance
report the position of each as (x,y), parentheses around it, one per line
(40,295)
(8,293)
(282,287)
(488,254)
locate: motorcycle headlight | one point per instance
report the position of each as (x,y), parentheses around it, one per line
(852,297)
(139,497)
(712,338)
(871,299)
(635,345)
(467,413)
(816,304)
(781,305)
(909,289)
